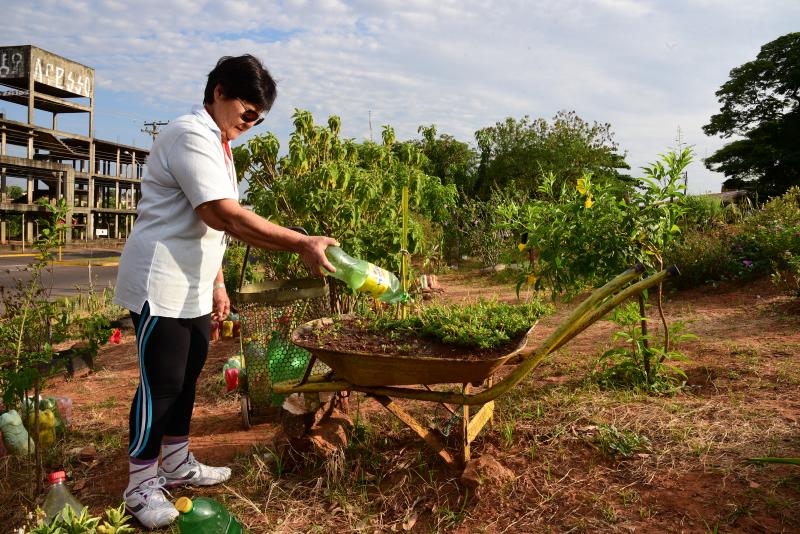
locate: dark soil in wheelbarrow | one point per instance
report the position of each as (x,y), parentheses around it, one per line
(355,335)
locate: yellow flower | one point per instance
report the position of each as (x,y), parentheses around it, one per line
(521,247)
(581,186)
(588,203)
(531,279)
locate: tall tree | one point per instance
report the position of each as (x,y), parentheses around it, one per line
(453,161)
(761,105)
(519,153)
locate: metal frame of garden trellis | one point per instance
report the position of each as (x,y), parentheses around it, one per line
(598,304)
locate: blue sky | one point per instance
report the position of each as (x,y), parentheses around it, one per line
(646,67)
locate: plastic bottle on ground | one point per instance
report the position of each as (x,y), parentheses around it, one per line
(205,516)
(58,497)
(65,410)
(231,372)
(360,275)
(227,328)
(47,426)
(14,434)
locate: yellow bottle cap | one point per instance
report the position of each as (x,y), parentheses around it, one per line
(184,505)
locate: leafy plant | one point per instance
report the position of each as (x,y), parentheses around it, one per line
(29,326)
(586,233)
(485,324)
(614,443)
(636,363)
(67,521)
(94,331)
(116,522)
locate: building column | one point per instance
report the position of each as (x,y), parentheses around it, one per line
(69,195)
(91,212)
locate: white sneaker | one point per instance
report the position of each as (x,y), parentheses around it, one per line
(148,504)
(192,472)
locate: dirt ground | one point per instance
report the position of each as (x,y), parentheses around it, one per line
(741,400)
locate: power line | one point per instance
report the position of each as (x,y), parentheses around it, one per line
(153,128)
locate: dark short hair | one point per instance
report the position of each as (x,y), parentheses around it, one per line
(242,77)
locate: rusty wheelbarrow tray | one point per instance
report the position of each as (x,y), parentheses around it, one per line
(386,378)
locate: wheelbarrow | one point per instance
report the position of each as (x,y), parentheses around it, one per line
(387,378)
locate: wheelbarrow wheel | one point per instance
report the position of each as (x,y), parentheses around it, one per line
(244,399)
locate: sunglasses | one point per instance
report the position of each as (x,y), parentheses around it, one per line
(250,115)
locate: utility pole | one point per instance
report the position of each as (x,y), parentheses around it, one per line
(153,128)
(370,124)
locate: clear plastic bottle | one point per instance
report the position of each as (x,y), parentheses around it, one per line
(59,496)
(205,516)
(65,410)
(361,275)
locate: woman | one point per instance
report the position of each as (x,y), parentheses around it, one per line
(170,275)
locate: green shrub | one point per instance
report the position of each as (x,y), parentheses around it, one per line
(704,257)
(703,211)
(764,242)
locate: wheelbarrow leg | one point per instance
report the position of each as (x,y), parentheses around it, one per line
(465,441)
(430,437)
(471,427)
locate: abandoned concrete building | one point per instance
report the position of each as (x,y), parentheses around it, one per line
(99,180)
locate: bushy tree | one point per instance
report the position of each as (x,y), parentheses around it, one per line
(453,161)
(519,153)
(761,106)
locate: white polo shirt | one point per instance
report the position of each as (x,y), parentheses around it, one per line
(172,257)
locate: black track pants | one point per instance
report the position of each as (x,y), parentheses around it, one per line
(172,353)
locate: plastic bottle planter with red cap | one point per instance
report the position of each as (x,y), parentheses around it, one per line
(59,496)
(205,516)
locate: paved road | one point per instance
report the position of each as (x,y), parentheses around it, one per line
(66,279)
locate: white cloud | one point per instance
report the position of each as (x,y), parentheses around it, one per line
(646,67)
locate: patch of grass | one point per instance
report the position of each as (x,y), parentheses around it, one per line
(614,443)
(629,496)
(507,431)
(608,512)
(107,404)
(110,441)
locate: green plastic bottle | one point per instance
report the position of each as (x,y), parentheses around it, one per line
(205,516)
(361,275)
